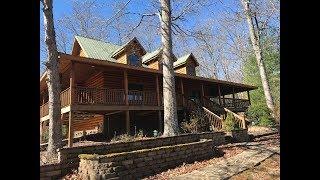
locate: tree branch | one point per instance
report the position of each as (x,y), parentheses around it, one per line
(141,19)
(109,21)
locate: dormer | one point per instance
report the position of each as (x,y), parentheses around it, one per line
(153,59)
(130,53)
(186,65)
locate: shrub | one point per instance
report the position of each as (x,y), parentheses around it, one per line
(229,123)
(256,111)
(140,134)
(191,126)
(197,123)
(122,138)
(127,137)
(265,121)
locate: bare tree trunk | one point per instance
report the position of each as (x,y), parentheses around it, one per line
(169,95)
(53,81)
(254,36)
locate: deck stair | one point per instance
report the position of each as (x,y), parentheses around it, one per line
(212,111)
(194,105)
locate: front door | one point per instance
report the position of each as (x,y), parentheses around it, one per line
(195,95)
(135,93)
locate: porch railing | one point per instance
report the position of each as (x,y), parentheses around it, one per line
(86,95)
(148,98)
(64,99)
(44,110)
(237,103)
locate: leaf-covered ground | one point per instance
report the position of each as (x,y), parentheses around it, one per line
(268,169)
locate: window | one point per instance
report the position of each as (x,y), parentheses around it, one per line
(134,60)
(191,70)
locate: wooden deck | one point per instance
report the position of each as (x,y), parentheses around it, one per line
(103,99)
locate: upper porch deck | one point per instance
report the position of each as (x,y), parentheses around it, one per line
(99,86)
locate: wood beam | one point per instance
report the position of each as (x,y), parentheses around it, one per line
(219,92)
(72,80)
(202,90)
(158,90)
(101,108)
(160,121)
(41,131)
(182,92)
(70,130)
(248,93)
(127,122)
(125,77)
(116,112)
(233,101)
(224,101)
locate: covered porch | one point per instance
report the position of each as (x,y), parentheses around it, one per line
(99,88)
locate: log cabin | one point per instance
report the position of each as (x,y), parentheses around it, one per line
(112,89)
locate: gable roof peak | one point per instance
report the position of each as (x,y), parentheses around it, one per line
(123,47)
(183,60)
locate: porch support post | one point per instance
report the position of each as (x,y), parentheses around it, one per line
(249,97)
(125,77)
(224,101)
(70,130)
(159,103)
(127,122)
(182,92)
(72,80)
(160,121)
(219,92)
(43,94)
(42,105)
(158,90)
(233,101)
(41,131)
(202,92)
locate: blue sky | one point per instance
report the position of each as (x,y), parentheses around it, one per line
(206,14)
(64,7)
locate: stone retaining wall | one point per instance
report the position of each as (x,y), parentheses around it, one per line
(69,159)
(51,171)
(142,163)
(69,156)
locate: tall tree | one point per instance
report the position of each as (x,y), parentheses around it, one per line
(53,81)
(169,95)
(255,41)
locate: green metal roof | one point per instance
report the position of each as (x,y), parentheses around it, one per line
(182,60)
(121,48)
(105,51)
(149,56)
(97,49)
